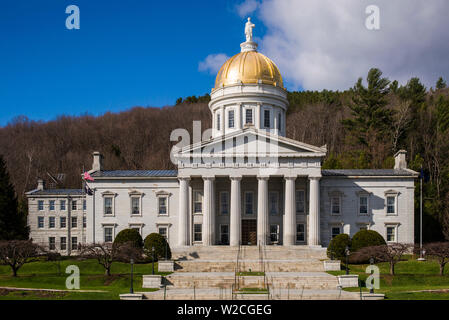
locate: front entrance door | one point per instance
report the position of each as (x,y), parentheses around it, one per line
(249,232)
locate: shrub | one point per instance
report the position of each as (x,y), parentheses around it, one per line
(129,235)
(366,238)
(160,245)
(337,246)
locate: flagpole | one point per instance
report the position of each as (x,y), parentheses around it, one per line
(421,257)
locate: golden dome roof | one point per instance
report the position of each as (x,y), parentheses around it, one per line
(249,67)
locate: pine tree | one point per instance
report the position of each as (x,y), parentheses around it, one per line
(371,117)
(441,84)
(12,223)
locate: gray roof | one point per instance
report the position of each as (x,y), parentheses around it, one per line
(367,172)
(57,192)
(136,173)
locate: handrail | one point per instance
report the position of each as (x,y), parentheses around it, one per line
(237,269)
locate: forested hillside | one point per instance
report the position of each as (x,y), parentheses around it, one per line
(362,127)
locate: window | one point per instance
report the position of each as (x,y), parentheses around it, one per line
(84,205)
(135,205)
(224,202)
(62,222)
(266,118)
(279,122)
(300,232)
(52,205)
(62,205)
(108,205)
(84,222)
(335,205)
(274,233)
(335,232)
(363,205)
(52,243)
(108,234)
(224,234)
(300,201)
(40,205)
(218,121)
(231,119)
(74,205)
(197,232)
(391,234)
(74,243)
(197,202)
(249,202)
(162,204)
(273,202)
(40,222)
(63,243)
(249,116)
(363,227)
(163,231)
(51,222)
(74,222)
(391,205)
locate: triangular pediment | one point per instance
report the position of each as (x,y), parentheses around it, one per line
(250,142)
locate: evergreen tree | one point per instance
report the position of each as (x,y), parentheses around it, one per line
(441,84)
(371,117)
(12,224)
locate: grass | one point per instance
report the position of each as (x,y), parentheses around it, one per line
(47,275)
(410,281)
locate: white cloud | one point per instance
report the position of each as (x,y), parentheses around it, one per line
(212,63)
(247,7)
(325,44)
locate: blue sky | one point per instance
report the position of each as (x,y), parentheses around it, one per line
(126,53)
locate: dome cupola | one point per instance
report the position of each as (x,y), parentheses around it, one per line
(248,92)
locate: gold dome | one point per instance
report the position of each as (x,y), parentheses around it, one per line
(249,67)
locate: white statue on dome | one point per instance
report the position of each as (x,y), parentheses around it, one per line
(249,30)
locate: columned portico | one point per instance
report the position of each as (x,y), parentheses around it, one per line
(262,210)
(183,239)
(209,211)
(235,221)
(314,211)
(290,212)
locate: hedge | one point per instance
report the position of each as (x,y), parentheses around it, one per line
(337,246)
(129,235)
(159,243)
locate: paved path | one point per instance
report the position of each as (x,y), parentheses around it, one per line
(50,290)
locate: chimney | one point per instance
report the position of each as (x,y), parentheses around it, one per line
(40,184)
(399,160)
(97,164)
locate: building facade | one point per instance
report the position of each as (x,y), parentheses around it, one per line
(246,183)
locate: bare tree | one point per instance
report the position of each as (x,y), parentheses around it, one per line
(391,253)
(401,121)
(15,253)
(107,253)
(439,251)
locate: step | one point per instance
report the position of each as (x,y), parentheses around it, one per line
(274,294)
(275,265)
(288,280)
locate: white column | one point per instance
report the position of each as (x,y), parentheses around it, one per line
(290,212)
(183,227)
(314,211)
(262,211)
(208,211)
(235,223)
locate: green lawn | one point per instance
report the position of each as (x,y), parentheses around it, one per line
(45,275)
(410,275)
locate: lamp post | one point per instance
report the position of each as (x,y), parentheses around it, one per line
(131,289)
(152,251)
(371,262)
(347,257)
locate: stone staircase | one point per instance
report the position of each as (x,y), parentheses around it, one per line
(210,273)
